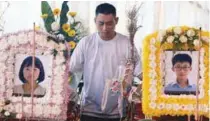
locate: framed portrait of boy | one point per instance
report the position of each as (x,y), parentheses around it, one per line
(176,72)
(181,72)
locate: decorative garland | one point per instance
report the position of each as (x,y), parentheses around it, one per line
(54,103)
(155,103)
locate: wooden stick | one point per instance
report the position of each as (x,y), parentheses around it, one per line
(33,66)
(188,118)
(197,82)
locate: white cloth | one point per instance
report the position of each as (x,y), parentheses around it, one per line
(99,60)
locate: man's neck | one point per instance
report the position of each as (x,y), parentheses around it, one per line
(109,37)
(182,82)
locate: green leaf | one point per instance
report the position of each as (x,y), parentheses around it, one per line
(46,9)
(63,15)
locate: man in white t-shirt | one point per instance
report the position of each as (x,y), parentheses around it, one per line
(98,57)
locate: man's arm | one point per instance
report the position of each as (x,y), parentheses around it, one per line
(77,58)
(76,64)
(138,65)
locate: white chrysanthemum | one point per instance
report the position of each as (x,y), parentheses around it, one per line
(153,97)
(202,72)
(9,108)
(57,91)
(18,107)
(152,64)
(6,113)
(176,107)
(2,89)
(152,41)
(168,106)
(26,108)
(59,60)
(152,57)
(190,107)
(10,75)
(27,100)
(58,100)
(152,105)
(2,103)
(22,38)
(59,69)
(60,37)
(205,108)
(38,110)
(19,116)
(2,69)
(48,52)
(58,80)
(62,46)
(4,56)
(152,48)
(56,110)
(57,86)
(4,45)
(170,39)
(183,39)
(51,44)
(152,74)
(177,30)
(15,99)
(196,42)
(47,110)
(201,93)
(161,106)
(41,40)
(190,33)
(161,33)
(55,26)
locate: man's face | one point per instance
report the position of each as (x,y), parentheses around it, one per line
(105,24)
(182,69)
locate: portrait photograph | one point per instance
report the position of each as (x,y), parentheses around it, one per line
(181,72)
(23,84)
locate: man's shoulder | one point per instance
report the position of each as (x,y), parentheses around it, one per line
(90,36)
(123,37)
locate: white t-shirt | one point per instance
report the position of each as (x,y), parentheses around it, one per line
(99,60)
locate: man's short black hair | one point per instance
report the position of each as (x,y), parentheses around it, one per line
(105,8)
(181,58)
(28,62)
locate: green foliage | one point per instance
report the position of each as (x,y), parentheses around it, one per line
(46,9)
(63,15)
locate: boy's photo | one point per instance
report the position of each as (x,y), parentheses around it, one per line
(181,72)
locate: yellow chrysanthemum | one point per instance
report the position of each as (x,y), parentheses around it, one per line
(70,79)
(72,14)
(44,15)
(72,33)
(66,27)
(72,44)
(37,27)
(56,11)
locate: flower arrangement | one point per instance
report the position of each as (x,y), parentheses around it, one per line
(6,110)
(154,102)
(62,24)
(181,38)
(20,43)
